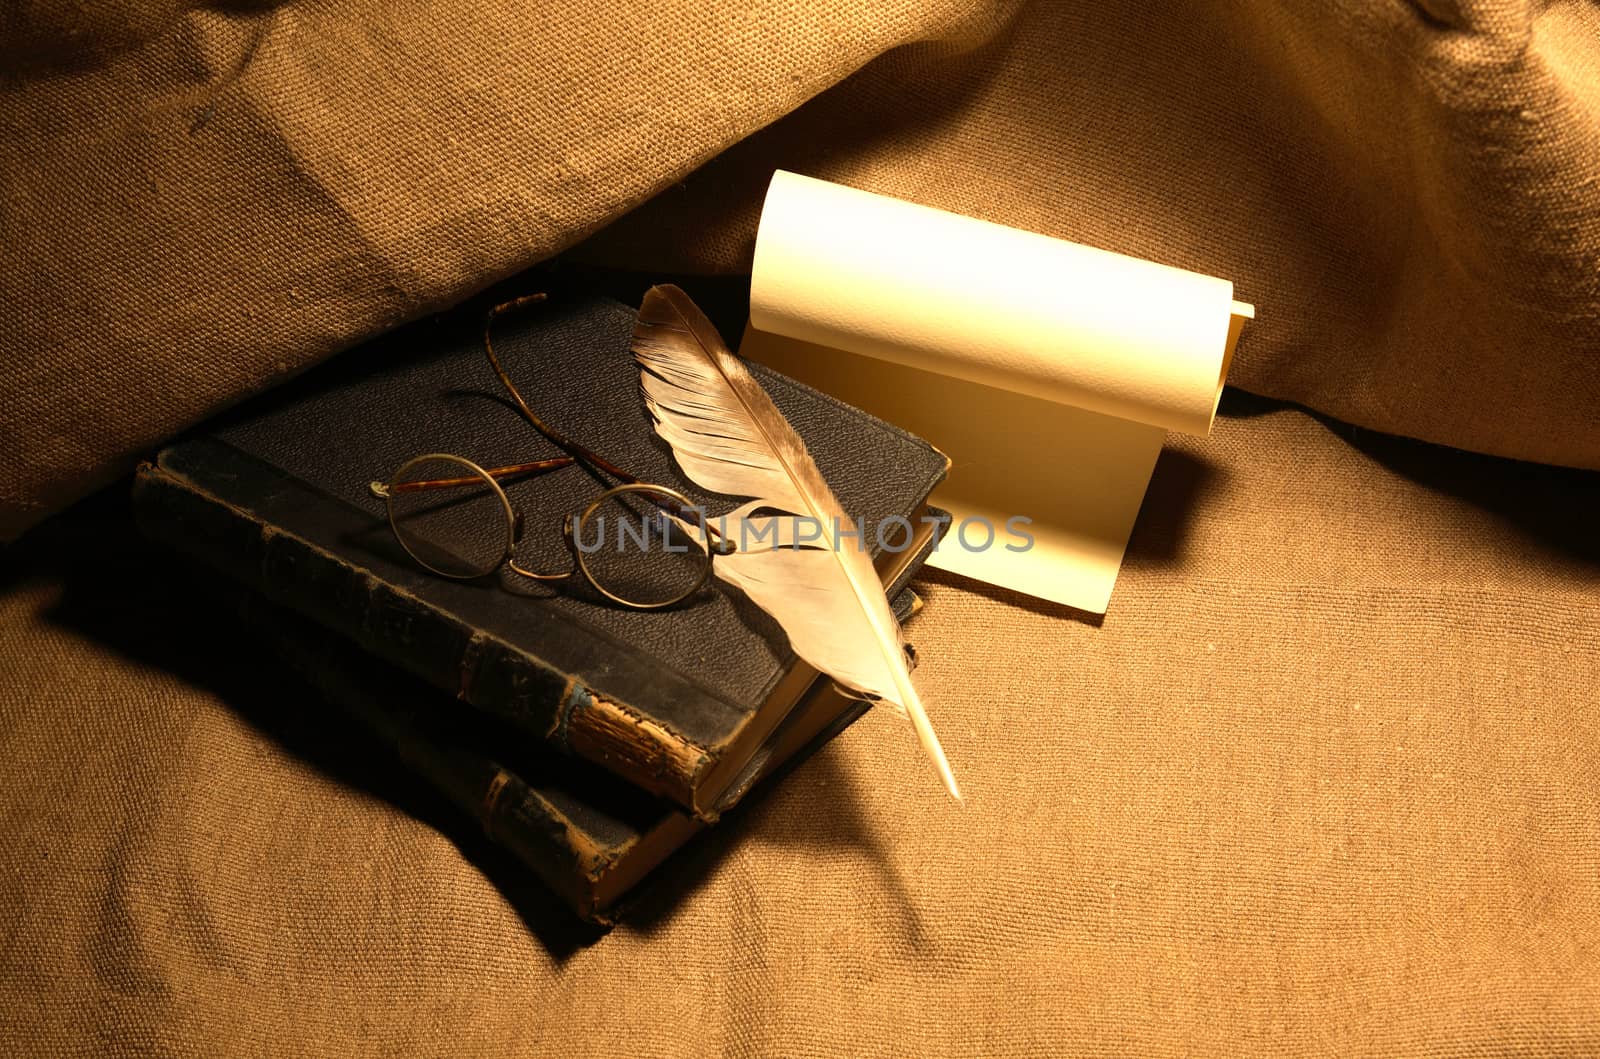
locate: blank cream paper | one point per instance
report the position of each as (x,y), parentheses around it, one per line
(1047,371)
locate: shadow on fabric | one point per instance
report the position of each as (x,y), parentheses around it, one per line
(153,608)
(156,609)
(1558,507)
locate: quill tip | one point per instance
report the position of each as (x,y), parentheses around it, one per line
(949,781)
(930,745)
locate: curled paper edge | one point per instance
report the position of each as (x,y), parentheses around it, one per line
(998,306)
(1049,372)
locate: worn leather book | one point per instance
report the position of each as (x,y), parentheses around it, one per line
(676,702)
(590,839)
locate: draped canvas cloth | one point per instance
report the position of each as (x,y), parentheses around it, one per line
(202,200)
(1323,781)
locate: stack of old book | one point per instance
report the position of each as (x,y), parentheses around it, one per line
(589,740)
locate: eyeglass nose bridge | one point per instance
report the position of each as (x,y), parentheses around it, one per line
(518,525)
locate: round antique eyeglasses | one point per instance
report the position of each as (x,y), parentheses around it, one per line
(638,544)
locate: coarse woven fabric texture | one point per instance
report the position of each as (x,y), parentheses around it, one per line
(1323,782)
(203,199)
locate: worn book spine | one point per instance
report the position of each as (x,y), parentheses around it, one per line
(364,605)
(588,839)
(405,717)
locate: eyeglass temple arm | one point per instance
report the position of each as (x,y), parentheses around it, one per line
(540,425)
(383,489)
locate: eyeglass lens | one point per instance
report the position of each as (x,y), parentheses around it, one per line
(631,549)
(450,516)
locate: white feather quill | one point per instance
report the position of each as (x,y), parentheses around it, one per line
(730,438)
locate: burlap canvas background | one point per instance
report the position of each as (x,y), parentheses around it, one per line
(201,200)
(1323,781)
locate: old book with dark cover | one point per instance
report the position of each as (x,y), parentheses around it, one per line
(676,702)
(589,838)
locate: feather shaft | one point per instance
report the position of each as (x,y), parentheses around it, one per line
(729,437)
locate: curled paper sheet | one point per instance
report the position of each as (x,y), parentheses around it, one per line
(1049,372)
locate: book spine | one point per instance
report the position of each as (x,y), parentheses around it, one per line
(511,813)
(391,623)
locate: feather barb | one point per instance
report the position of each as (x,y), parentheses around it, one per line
(728,437)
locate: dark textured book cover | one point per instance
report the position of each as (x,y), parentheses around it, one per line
(676,702)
